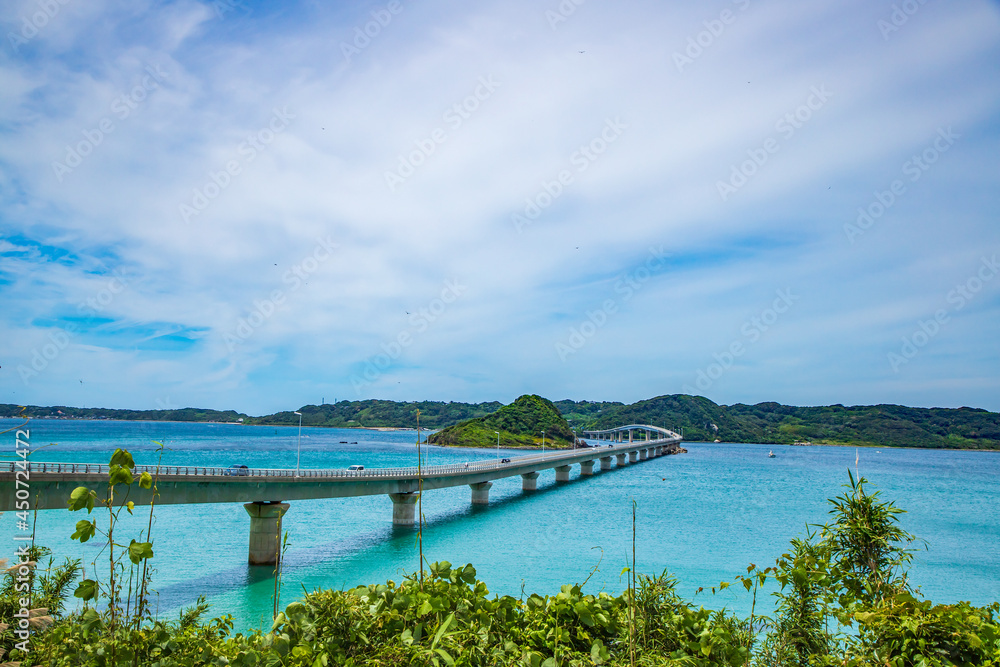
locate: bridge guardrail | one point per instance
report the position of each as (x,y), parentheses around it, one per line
(371,473)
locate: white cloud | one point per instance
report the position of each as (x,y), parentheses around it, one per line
(324,175)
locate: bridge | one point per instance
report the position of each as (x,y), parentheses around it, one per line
(265,491)
(632,433)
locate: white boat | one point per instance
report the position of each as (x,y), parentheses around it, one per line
(770,454)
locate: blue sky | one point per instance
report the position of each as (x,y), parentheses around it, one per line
(261,205)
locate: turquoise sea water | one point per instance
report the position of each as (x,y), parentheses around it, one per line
(703,515)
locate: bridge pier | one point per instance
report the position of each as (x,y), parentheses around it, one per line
(643,454)
(403,508)
(529,481)
(586,468)
(633,457)
(620,459)
(481,493)
(265,531)
(562,474)
(605,463)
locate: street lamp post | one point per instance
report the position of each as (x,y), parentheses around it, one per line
(543,443)
(298,451)
(420,502)
(498,444)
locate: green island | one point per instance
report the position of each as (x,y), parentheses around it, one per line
(520,424)
(840,596)
(700,418)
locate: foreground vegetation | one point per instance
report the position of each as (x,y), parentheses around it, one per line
(701,419)
(844,599)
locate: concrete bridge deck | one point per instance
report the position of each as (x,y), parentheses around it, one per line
(264,491)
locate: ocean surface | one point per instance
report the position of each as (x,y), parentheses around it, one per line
(703,516)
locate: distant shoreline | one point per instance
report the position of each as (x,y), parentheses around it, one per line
(387,429)
(208,421)
(882,425)
(844,444)
(178,421)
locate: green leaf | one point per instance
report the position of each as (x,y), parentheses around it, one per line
(139,551)
(87,589)
(122,458)
(583,612)
(130,506)
(440,569)
(444,627)
(84,530)
(146,480)
(444,655)
(599,654)
(80,498)
(90,619)
(119,475)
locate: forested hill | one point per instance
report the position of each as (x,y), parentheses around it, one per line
(520,424)
(433,414)
(63,412)
(701,419)
(877,425)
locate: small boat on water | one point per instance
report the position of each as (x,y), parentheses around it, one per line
(770,454)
